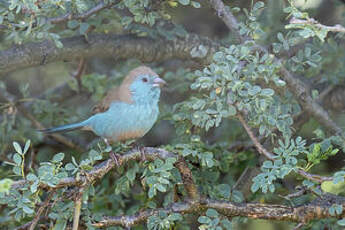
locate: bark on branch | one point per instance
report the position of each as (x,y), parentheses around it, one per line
(102,45)
(104,167)
(300,214)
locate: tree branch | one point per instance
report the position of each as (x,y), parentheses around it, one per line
(300,214)
(228,18)
(101,169)
(101,45)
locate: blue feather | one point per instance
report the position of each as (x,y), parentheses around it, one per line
(66,128)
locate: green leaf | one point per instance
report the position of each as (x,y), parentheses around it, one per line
(33,187)
(17,159)
(27,146)
(196,4)
(280,37)
(83,27)
(28,210)
(267,92)
(17,170)
(226,224)
(258,5)
(152,192)
(72,24)
(184,2)
(341,222)
(212,213)
(204,220)
(17,147)
(5,185)
(31,177)
(161,188)
(58,157)
(255,187)
(70,167)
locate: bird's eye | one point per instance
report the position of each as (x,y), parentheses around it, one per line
(144,79)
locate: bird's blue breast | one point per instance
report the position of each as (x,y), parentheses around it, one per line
(124,121)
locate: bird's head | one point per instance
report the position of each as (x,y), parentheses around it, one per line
(143,84)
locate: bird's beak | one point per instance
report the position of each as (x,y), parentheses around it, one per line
(158,82)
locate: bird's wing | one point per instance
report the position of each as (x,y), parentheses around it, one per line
(114,94)
(104,104)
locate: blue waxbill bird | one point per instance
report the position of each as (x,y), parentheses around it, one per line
(127,112)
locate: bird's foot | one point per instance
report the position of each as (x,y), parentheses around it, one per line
(142,153)
(115,157)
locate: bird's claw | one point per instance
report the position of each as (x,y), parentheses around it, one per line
(142,154)
(115,157)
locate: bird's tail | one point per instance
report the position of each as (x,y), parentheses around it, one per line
(66,128)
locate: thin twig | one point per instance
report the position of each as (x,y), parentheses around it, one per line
(70,16)
(41,209)
(313,177)
(228,18)
(256,142)
(79,73)
(313,22)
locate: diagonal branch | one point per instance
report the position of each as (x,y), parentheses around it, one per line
(228,18)
(256,142)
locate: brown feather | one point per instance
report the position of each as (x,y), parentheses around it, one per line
(130,135)
(122,93)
